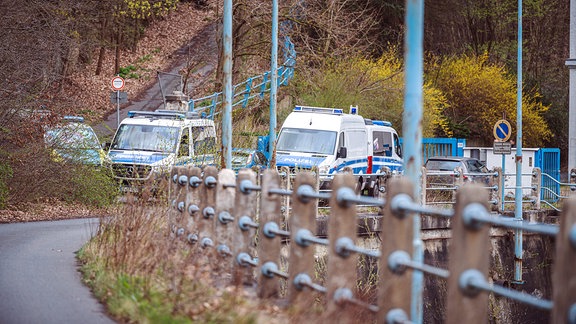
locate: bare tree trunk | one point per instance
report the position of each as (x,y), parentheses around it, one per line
(101,55)
(102,51)
(117,57)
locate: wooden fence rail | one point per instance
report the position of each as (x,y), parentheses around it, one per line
(236,227)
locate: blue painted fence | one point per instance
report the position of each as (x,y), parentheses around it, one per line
(441,147)
(548,160)
(254,87)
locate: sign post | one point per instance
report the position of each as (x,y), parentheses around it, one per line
(502,133)
(117,85)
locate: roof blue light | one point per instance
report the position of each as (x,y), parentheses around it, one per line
(382,123)
(158,114)
(322,110)
(77,119)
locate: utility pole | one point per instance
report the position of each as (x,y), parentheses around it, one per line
(227,93)
(273,79)
(571,63)
(411,127)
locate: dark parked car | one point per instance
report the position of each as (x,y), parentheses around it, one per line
(248,158)
(443,170)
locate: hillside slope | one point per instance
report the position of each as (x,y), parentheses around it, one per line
(168,46)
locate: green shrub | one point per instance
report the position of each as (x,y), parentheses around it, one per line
(37,177)
(479,93)
(5,175)
(375,86)
(92,186)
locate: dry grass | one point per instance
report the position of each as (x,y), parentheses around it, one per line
(144,273)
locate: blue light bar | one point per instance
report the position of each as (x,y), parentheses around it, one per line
(353,110)
(382,123)
(158,114)
(77,119)
(322,110)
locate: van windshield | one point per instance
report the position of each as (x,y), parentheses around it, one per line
(306,141)
(146,138)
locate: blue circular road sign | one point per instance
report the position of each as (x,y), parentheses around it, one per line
(502,130)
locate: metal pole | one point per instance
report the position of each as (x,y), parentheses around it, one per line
(161,89)
(518,191)
(118,108)
(503,182)
(411,125)
(227,93)
(571,63)
(274,78)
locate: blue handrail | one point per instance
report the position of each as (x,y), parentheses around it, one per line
(253,87)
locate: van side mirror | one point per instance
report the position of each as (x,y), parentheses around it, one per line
(106,146)
(342,153)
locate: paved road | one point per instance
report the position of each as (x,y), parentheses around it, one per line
(201,49)
(39,280)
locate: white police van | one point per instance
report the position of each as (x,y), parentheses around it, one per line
(331,140)
(148,144)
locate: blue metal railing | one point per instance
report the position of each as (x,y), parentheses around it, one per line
(253,87)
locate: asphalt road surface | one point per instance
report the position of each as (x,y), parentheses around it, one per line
(39,278)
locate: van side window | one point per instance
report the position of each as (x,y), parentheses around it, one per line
(382,143)
(341,141)
(204,143)
(356,140)
(184,143)
(397,146)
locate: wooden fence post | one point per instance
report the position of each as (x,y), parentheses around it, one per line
(245,206)
(564,273)
(497,195)
(458,181)
(536,184)
(301,260)
(397,232)
(178,199)
(468,250)
(341,271)
(193,203)
(207,212)
(286,184)
(269,247)
(224,225)
(424,184)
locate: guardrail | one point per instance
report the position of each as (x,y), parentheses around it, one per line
(222,215)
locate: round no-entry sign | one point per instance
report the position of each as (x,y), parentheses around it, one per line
(117,83)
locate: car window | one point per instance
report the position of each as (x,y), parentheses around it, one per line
(72,136)
(476,166)
(442,165)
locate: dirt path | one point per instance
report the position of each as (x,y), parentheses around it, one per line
(201,51)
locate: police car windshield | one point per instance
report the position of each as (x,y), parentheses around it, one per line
(72,136)
(306,141)
(146,138)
